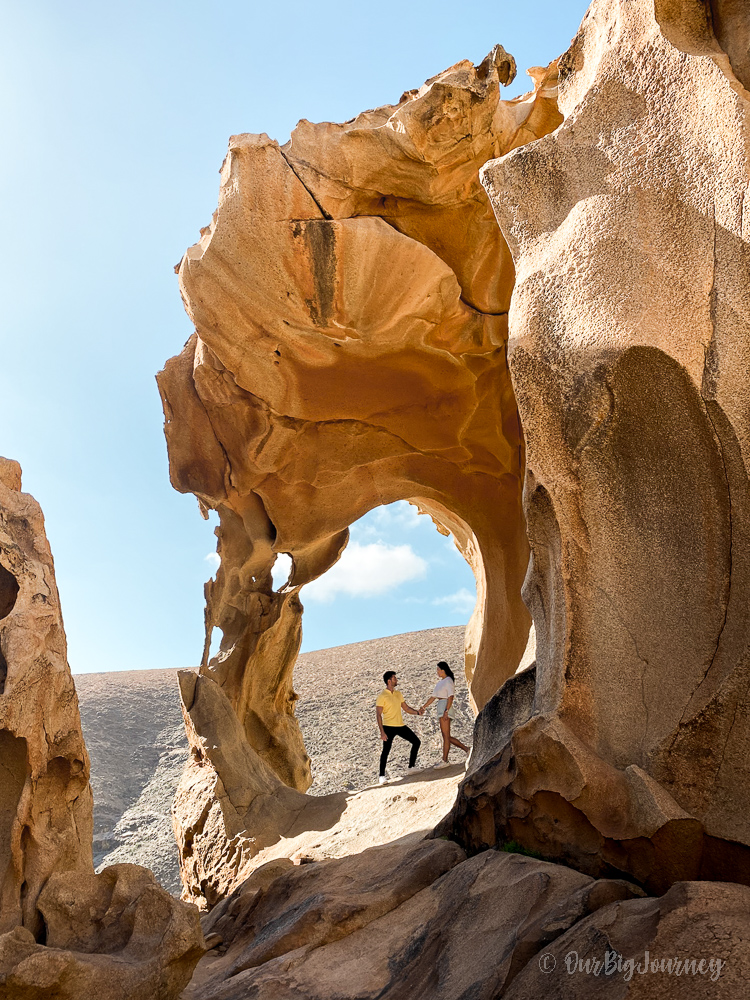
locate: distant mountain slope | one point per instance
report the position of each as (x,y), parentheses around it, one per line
(132,724)
(133,728)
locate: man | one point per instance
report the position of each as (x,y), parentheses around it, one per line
(391,722)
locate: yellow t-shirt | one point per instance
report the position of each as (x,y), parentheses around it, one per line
(390,702)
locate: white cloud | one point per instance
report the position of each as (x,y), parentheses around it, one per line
(401,514)
(213,559)
(367,571)
(462,602)
(394,518)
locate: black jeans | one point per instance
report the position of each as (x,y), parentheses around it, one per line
(406,734)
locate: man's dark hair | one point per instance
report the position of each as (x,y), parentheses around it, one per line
(387,675)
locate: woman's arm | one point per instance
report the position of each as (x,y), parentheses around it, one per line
(449,702)
(428,703)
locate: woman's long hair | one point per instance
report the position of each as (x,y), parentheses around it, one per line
(449,673)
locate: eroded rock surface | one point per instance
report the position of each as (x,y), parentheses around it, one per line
(108,936)
(350,300)
(64,931)
(45,798)
(693,942)
(311,905)
(629,351)
(394,922)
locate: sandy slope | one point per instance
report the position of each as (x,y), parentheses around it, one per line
(133,729)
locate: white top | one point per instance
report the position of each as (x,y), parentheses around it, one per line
(444,688)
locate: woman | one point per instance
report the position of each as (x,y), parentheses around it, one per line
(443,693)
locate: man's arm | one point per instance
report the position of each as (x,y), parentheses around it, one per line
(409,709)
(379,715)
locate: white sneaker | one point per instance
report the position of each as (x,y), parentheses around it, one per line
(382,779)
(413,770)
(442,763)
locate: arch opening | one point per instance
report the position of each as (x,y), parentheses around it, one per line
(399,597)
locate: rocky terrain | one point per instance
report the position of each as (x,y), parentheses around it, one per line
(133,726)
(566,393)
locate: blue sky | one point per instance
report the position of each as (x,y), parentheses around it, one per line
(115,120)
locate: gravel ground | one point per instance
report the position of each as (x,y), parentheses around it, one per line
(133,728)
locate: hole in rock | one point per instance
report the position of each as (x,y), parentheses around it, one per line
(3,671)
(216,636)
(398,599)
(59,771)
(13,768)
(8,591)
(281,571)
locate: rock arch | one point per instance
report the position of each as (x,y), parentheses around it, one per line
(350,301)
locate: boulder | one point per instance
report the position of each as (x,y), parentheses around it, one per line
(693,942)
(108,936)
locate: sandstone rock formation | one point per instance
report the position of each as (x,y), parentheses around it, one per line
(629,350)
(108,936)
(64,931)
(693,942)
(45,799)
(396,922)
(350,300)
